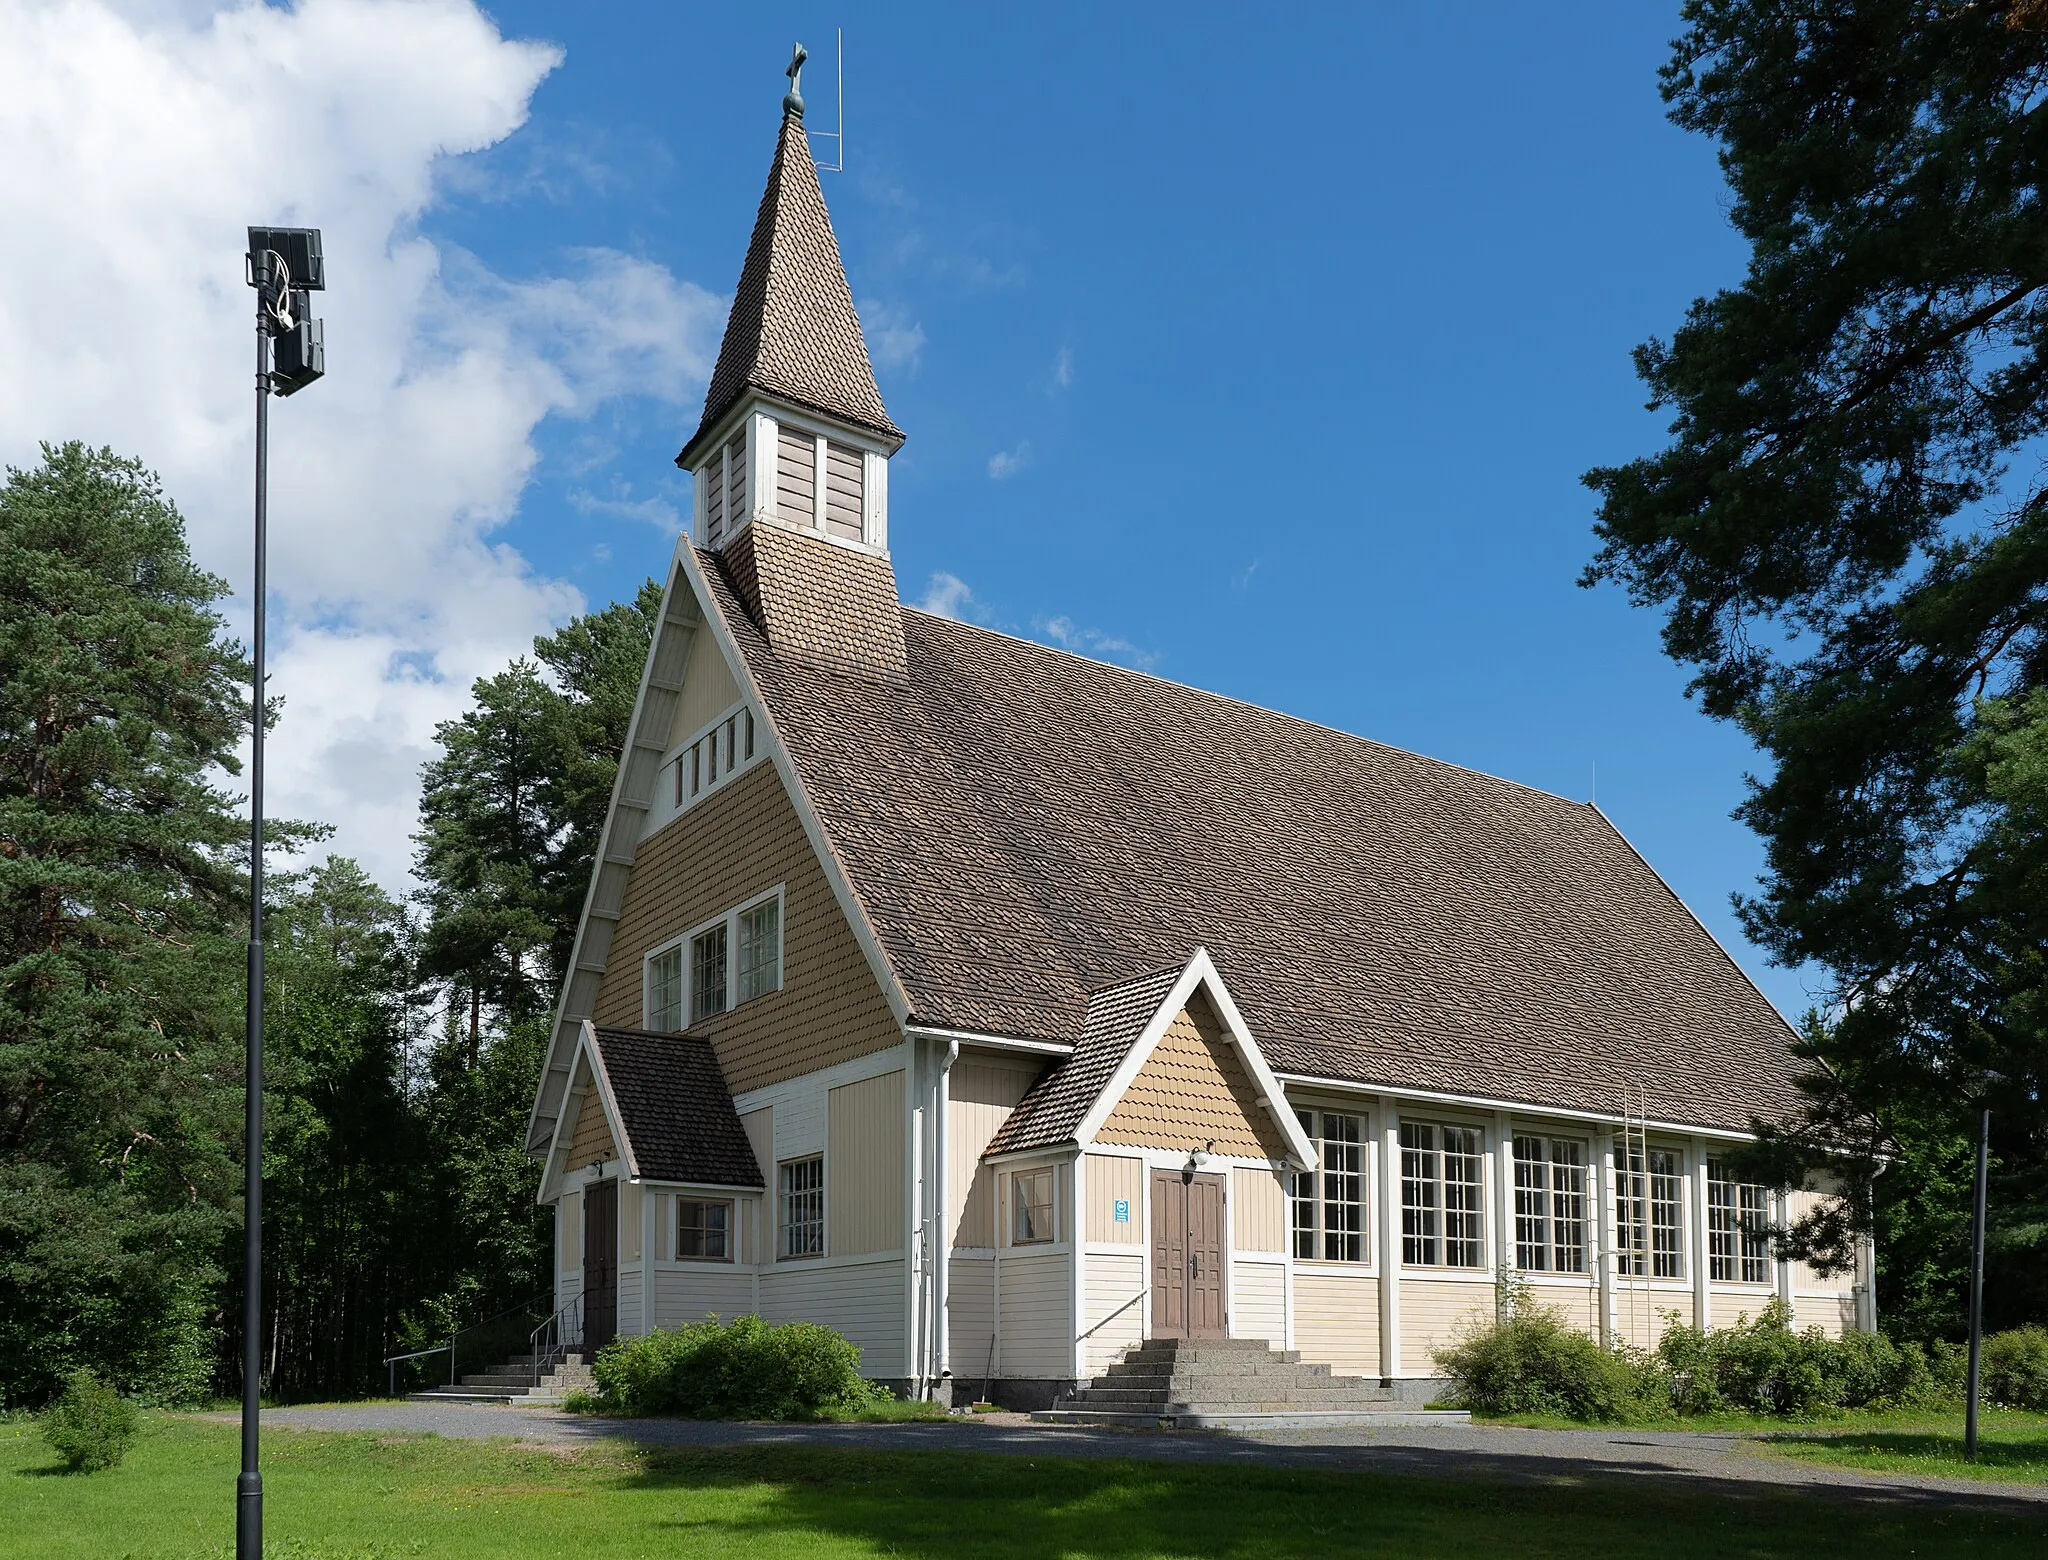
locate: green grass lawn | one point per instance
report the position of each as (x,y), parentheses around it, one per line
(2011,1448)
(372,1497)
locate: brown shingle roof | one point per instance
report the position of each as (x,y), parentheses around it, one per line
(792,331)
(1025,827)
(677,1111)
(1054,1106)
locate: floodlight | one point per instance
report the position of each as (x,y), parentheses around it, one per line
(299,248)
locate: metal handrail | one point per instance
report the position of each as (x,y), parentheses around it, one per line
(552,1339)
(392,1361)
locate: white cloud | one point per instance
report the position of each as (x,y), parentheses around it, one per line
(139,141)
(1069,635)
(895,340)
(948,596)
(1063,369)
(1005,464)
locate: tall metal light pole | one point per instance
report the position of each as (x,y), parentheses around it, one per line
(284,265)
(1977,1285)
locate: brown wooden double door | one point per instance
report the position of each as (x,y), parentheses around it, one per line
(1187,1256)
(600,1265)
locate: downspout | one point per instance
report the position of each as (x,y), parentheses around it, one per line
(942,1275)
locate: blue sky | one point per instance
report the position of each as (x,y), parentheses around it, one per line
(1266,357)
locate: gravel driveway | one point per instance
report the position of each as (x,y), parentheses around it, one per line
(1443,1451)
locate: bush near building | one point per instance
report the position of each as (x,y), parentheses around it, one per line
(740,1369)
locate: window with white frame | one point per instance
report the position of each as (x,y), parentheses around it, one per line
(1550,1204)
(1442,1185)
(703,1230)
(665,990)
(715,967)
(1329,1201)
(1649,1197)
(719,752)
(1738,1214)
(1031,1216)
(760,950)
(801,1183)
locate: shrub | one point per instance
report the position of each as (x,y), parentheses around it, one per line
(1534,1362)
(741,1369)
(2015,1368)
(90,1425)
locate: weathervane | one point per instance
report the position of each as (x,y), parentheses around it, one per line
(793,100)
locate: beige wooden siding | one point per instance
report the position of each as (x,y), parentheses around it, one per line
(1258,1301)
(664,1226)
(842,492)
(796,460)
(971,1315)
(1641,1316)
(1805,1277)
(982,1090)
(696,1290)
(1110,1179)
(759,1126)
(591,1140)
(863,1300)
(1832,1314)
(1727,1307)
(1115,1307)
(709,690)
(864,1186)
(569,1232)
(738,842)
(1337,1321)
(713,478)
(1193,1091)
(1259,1217)
(1035,1300)
(629,1222)
(1435,1315)
(1578,1304)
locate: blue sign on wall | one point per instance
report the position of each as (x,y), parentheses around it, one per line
(1123,1210)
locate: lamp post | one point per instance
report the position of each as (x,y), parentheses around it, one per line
(284,266)
(1977,1285)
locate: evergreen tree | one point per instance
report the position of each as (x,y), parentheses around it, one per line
(120,958)
(1848,537)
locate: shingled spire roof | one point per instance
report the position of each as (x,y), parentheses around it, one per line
(793,333)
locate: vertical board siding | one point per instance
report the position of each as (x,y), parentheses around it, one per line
(630,1194)
(971,1318)
(1036,1331)
(863,1300)
(690,1292)
(1115,1306)
(1110,1179)
(709,690)
(982,1093)
(738,842)
(569,1234)
(796,460)
(1259,1217)
(843,492)
(864,1166)
(1193,1091)
(1337,1321)
(1258,1301)
(591,1141)
(1434,1315)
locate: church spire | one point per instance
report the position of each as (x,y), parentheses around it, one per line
(793,335)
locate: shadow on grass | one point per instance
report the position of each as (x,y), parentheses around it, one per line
(941,1504)
(2007,1451)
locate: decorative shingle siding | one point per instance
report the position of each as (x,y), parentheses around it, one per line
(1193,1092)
(817,603)
(742,841)
(591,1141)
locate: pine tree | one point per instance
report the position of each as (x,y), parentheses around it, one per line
(120,698)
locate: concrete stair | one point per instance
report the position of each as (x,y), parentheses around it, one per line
(1233,1384)
(512,1382)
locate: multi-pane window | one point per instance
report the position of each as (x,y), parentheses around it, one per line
(802,1186)
(1550,1205)
(703,1231)
(665,990)
(1738,1213)
(732,960)
(1329,1201)
(1649,1191)
(760,961)
(1031,1207)
(707,973)
(1442,1213)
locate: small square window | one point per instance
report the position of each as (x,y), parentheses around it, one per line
(707,973)
(760,970)
(1031,1199)
(665,990)
(703,1231)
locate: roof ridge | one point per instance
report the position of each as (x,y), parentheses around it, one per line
(1248,704)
